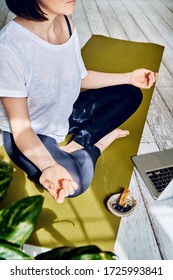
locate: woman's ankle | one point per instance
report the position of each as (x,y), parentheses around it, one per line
(107,140)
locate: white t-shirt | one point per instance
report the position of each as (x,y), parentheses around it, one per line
(48,75)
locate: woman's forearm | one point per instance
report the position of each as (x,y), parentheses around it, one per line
(142,78)
(25,138)
(99,79)
(32,147)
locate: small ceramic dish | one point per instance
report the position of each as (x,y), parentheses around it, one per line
(115,209)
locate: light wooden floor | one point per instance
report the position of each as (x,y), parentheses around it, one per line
(144,21)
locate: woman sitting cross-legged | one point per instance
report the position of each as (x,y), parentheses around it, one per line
(42,72)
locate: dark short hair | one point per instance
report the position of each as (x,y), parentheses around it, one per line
(28,9)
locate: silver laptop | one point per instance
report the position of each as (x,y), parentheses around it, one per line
(156,169)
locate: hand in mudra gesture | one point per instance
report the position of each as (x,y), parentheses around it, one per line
(58,182)
(143,78)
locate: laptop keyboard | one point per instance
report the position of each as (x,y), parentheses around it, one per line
(161,177)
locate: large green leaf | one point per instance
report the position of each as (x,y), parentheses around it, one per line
(10,252)
(6,173)
(17,221)
(91,252)
(54,254)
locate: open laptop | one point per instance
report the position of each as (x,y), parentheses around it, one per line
(156,169)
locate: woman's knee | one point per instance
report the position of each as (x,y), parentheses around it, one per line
(86,160)
(135,95)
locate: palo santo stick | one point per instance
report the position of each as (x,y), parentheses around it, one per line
(123,197)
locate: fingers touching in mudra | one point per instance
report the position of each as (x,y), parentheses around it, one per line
(58,182)
(143,78)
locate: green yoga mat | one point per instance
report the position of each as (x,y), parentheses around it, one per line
(85,220)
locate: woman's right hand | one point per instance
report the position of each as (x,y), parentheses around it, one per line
(58,181)
(143,78)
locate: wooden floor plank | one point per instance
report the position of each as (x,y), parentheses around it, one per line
(3,13)
(148,29)
(110,19)
(163,11)
(166,93)
(82,25)
(161,122)
(168,4)
(128,23)
(165,79)
(94,18)
(163,29)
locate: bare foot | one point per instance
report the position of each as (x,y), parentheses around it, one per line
(104,142)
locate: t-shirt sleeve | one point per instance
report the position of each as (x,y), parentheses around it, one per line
(81,64)
(12,78)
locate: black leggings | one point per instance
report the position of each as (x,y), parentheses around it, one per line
(95,114)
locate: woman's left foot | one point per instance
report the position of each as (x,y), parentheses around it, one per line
(104,142)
